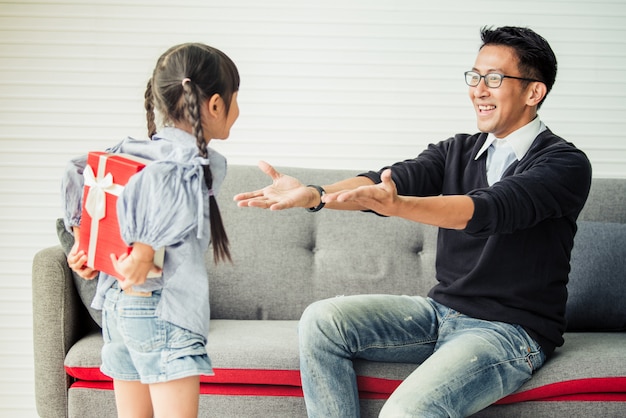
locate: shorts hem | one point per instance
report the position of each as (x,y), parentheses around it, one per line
(120,376)
(148,380)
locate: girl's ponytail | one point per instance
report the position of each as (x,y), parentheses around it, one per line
(219,239)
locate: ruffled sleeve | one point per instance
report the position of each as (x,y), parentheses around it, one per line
(162,204)
(72,191)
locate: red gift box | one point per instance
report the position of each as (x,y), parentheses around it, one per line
(105,176)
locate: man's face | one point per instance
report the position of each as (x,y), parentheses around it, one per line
(504,109)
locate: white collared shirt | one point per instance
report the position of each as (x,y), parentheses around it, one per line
(519,141)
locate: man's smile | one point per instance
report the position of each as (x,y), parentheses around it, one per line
(485,108)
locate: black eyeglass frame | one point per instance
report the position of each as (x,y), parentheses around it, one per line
(502,77)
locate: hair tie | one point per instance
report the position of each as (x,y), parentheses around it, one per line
(185,80)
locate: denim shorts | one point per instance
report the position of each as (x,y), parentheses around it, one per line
(140,346)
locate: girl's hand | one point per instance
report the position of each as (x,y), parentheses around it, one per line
(133,268)
(77,260)
(285,192)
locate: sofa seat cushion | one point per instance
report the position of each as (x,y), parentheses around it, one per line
(260,358)
(589,367)
(242,351)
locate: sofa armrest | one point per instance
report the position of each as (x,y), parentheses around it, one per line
(59,320)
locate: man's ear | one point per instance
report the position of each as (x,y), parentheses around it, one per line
(214,106)
(536,92)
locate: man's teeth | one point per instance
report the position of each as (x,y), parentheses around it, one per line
(486,107)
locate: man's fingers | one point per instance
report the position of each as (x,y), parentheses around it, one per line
(269,170)
(247,195)
(244,199)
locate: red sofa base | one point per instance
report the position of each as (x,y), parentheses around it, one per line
(244,382)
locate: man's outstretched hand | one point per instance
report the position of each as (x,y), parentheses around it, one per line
(381,198)
(285,192)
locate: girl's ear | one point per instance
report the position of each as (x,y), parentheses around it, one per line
(214,106)
(536,94)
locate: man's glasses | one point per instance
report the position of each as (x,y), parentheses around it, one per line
(492,80)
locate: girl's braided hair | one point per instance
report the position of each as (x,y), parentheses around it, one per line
(206,71)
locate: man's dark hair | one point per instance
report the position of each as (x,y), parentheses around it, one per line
(536,58)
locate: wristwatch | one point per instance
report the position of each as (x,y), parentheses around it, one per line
(322,192)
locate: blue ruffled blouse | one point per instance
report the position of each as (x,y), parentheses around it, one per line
(165,206)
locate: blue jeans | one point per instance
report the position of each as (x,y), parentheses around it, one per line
(464,364)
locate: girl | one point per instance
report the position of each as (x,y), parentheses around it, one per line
(155,330)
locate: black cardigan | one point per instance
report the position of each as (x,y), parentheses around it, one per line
(511,262)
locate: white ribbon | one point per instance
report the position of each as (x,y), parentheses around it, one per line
(95,201)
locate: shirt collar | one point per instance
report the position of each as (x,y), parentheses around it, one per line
(182,145)
(176,134)
(519,140)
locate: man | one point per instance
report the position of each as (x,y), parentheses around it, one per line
(506,202)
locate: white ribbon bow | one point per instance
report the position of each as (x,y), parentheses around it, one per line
(95,201)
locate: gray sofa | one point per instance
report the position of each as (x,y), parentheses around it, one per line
(285,260)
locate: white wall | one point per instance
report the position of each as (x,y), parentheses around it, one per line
(342,83)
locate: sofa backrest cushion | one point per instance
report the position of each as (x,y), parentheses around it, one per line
(606,202)
(285,260)
(597,282)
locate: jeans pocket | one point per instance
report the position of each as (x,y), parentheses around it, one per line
(534,354)
(536,358)
(141,329)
